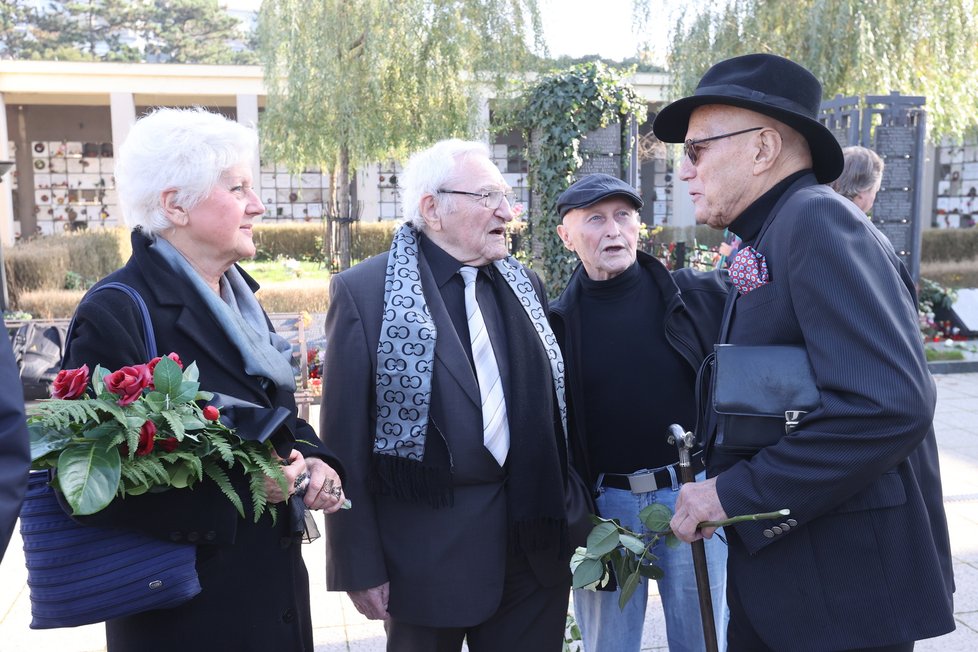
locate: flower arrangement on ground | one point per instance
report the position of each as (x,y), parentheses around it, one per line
(140,429)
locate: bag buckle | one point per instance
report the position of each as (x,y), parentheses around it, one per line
(791,419)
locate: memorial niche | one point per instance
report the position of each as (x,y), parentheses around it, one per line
(893,126)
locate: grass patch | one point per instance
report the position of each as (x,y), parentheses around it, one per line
(942,355)
(280,271)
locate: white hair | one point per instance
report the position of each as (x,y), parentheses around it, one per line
(183,149)
(430,170)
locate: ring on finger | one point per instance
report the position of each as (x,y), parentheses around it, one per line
(336,491)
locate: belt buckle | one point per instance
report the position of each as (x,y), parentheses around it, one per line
(642,482)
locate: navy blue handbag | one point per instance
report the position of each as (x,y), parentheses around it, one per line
(83,574)
(80,574)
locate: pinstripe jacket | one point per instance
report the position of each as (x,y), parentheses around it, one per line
(868,563)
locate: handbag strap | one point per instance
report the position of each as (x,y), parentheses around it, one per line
(149,335)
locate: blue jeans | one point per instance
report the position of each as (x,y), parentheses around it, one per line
(606,628)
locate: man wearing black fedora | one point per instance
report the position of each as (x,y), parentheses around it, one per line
(863,562)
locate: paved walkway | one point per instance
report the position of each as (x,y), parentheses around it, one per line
(339,628)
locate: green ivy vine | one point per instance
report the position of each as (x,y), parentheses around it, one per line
(555,114)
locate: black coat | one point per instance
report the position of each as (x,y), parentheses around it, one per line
(255,590)
(869,562)
(14,447)
(693,307)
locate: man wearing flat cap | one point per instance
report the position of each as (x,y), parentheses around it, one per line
(863,562)
(633,336)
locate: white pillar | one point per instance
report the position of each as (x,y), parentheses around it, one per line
(122,109)
(682,205)
(247,106)
(6,183)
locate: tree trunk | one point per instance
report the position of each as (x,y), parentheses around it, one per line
(328,208)
(343,206)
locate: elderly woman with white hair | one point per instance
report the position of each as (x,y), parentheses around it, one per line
(184,179)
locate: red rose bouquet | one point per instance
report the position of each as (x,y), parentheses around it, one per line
(140,429)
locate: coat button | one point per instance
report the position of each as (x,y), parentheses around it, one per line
(288,616)
(784,527)
(176,536)
(210,535)
(193,537)
(769,533)
(792,522)
(776,529)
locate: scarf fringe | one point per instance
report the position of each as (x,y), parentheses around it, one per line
(412,481)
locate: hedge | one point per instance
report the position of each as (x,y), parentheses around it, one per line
(299,240)
(949,244)
(44,263)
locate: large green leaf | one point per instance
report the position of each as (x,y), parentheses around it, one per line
(588,572)
(603,539)
(186,392)
(651,571)
(628,588)
(191,372)
(89,476)
(45,440)
(655,517)
(167,376)
(632,543)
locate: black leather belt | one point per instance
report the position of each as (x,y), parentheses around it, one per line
(650,479)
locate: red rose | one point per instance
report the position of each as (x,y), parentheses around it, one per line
(169,444)
(173,356)
(146,436)
(211,413)
(70,383)
(128,383)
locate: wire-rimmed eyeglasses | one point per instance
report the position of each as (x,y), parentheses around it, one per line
(490,199)
(691,147)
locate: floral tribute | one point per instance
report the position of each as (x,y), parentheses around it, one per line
(140,429)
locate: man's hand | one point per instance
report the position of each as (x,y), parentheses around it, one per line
(697,502)
(372,603)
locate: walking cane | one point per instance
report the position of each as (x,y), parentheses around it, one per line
(684,443)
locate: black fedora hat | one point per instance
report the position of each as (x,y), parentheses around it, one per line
(768,84)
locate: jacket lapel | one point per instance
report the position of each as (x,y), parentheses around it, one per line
(448,348)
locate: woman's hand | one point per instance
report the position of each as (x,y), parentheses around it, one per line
(325,491)
(295,467)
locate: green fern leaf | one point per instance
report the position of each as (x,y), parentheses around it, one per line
(220,477)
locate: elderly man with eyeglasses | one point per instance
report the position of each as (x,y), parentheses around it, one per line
(443,389)
(863,562)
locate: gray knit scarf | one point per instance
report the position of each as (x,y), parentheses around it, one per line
(405,352)
(266,354)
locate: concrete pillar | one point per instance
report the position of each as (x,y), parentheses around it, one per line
(683,211)
(122,109)
(6,183)
(247,106)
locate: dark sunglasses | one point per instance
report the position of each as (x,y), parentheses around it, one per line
(691,147)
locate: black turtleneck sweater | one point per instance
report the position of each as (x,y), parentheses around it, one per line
(635,384)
